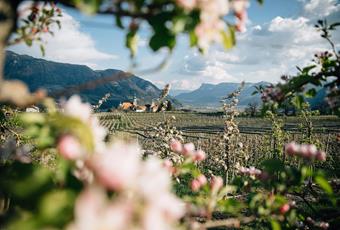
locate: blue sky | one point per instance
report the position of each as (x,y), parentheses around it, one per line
(279,36)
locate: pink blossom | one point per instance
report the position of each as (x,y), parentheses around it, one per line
(93,211)
(69,147)
(243,170)
(242,18)
(254,172)
(171,207)
(153,179)
(118,166)
(307,151)
(154,186)
(209,31)
(303,151)
(239,6)
(88,205)
(284,209)
(187,4)
(99,133)
(292,148)
(214,7)
(324,225)
(167,163)
(195,185)
(188,149)
(320,155)
(199,155)
(264,176)
(75,108)
(216,183)
(176,146)
(311,151)
(202,179)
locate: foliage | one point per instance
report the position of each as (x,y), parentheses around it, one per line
(324,72)
(39,20)
(166,19)
(97,184)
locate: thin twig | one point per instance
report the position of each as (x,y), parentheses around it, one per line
(91,84)
(230,222)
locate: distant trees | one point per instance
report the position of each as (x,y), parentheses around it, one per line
(252,109)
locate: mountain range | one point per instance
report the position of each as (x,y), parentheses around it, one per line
(209,95)
(61,79)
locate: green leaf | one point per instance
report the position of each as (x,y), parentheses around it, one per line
(30,118)
(119,22)
(228,37)
(132,42)
(193,39)
(323,183)
(272,165)
(56,207)
(307,69)
(42,49)
(29,42)
(275,225)
(332,26)
(298,101)
(178,24)
(88,6)
(310,93)
(159,40)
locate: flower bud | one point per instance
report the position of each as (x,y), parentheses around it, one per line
(69,147)
(284,209)
(291,148)
(311,151)
(176,146)
(195,185)
(304,151)
(216,183)
(202,179)
(321,155)
(324,225)
(199,155)
(188,149)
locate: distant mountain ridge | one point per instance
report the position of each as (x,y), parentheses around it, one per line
(54,77)
(210,95)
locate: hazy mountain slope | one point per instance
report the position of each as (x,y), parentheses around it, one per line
(210,95)
(53,76)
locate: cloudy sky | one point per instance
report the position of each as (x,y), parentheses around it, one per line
(279,36)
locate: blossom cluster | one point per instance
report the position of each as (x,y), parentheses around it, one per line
(211,24)
(143,198)
(271,93)
(253,172)
(197,183)
(187,150)
(306,151)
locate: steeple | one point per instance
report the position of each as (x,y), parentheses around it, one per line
(135,100)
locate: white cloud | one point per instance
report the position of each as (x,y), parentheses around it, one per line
(69,44)
(266,51)
(321,8)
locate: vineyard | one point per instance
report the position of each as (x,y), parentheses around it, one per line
(205,131)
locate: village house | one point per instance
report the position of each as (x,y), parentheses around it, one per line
(133,106)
